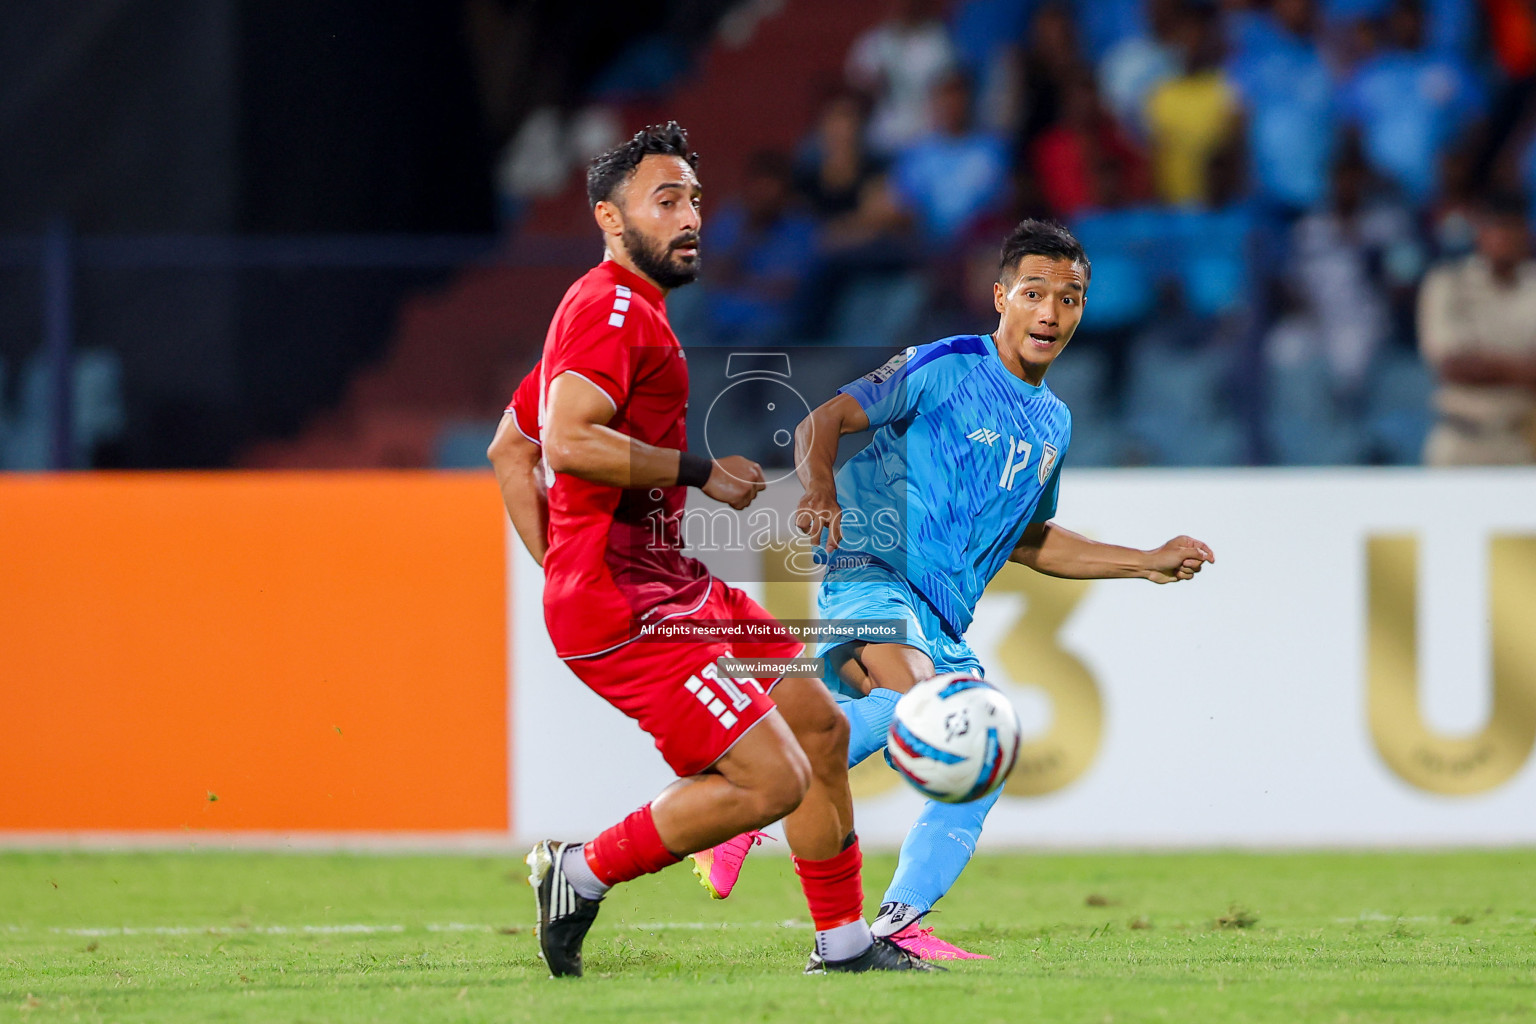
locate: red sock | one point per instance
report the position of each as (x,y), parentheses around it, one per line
(834,887)
(628,850)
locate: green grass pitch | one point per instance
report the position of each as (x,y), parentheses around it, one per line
(220,936)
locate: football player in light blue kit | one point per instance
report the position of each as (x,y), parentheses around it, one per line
(961,476)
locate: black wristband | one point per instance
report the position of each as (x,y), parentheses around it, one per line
(693,470)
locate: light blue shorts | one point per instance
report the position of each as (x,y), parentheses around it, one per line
(849,595)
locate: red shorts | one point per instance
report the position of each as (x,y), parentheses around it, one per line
(672,690)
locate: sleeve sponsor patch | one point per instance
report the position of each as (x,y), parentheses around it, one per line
(886,372)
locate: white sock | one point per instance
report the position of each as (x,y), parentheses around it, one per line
(893,918)
(573,864)
(844,942)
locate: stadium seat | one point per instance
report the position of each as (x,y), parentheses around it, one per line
(5,418)
(1398,411)
(461,444)
(1123,246)
(1302,423)
(647,67)
(688,315)
(98,407)
(1213,259)
(27,446)
(1174,406)
(1124,292)
(96,410)
(880,311)
(1078,380)
(1136,250)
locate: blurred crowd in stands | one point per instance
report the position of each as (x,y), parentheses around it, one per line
(1262,187)
(1309,224)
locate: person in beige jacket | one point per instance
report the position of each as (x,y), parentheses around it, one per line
(1477,331)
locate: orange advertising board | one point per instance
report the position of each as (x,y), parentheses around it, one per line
(253,651)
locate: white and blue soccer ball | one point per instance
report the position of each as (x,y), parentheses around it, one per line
(954,737)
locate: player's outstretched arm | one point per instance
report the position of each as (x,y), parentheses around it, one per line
(578,441)
(815,454)
(516,462)
(1057,551)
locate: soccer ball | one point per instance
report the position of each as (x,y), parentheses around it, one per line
(954,737)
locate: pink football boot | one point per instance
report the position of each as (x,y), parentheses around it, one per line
(921,942)
(917,940)
(718,868)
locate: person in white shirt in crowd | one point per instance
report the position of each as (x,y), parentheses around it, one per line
(1477,331)
(1138,64)
(899,62)
(1350,261)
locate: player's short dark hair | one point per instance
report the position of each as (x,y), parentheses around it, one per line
(606,173)
(1041,238)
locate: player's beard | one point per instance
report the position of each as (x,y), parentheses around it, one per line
(656,260)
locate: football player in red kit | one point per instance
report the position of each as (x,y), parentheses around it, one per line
(592,462)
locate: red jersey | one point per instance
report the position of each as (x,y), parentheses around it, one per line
(615,555)
(525,404)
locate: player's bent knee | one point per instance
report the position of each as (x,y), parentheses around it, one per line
(822,732)
(785,787)
(808,707)
(769,771)
(782,806)
(831,742)
(773,803)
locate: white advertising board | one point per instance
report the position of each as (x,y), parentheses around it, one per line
(1357,668)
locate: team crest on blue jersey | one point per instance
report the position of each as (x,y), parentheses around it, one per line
(886,372)
(1047,462)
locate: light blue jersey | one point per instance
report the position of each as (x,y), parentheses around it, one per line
(965,456)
